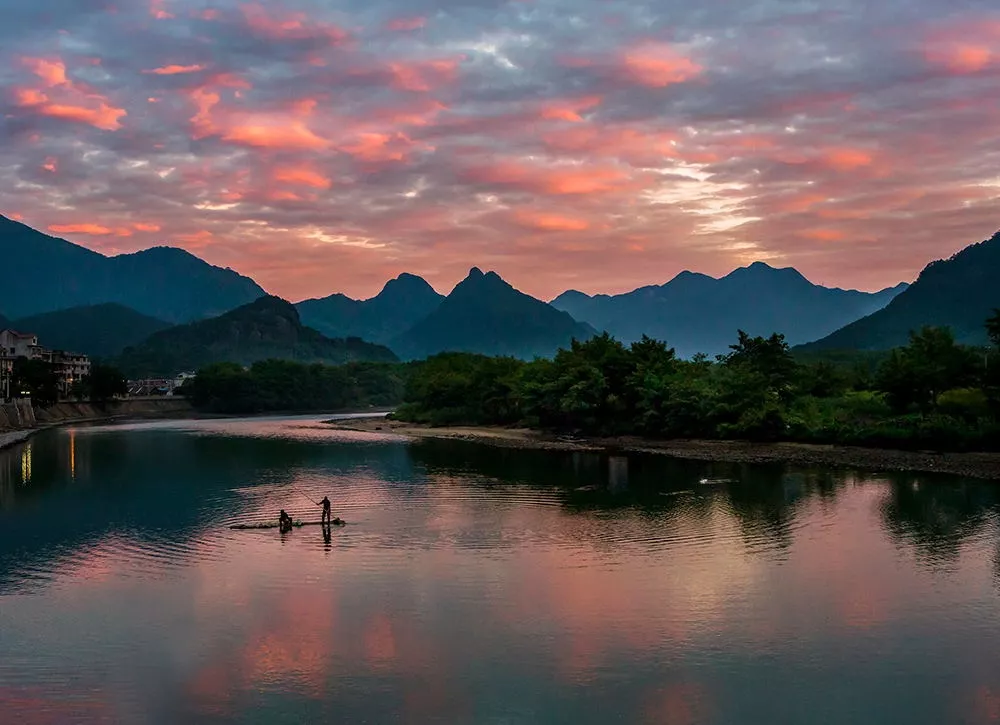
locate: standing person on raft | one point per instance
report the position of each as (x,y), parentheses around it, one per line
(325,503)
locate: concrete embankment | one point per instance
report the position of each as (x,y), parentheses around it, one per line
(18,420)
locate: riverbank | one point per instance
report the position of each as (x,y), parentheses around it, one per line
(66,413)
(975,465)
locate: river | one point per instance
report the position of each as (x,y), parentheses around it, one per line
(482,585)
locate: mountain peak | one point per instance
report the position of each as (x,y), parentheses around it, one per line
(405,284)
(474,273)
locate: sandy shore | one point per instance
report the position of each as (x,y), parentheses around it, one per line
(976,465)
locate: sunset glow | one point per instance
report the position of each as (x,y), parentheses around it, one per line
(565,146)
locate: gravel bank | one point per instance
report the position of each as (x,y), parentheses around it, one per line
(975,465)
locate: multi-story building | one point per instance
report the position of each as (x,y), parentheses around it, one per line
(13,345)
(69,367)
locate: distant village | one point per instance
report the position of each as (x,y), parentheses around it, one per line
(70,368)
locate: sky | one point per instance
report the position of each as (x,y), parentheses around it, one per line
(599,145)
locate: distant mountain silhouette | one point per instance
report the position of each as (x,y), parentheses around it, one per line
(44,274)
(100,331)
(401,303)
(697,313)
(484,314)
(264,329)
(960,293)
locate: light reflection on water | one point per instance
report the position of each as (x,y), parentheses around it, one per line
(481,585)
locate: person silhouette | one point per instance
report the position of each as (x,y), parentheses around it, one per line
(325,503)
(284,522)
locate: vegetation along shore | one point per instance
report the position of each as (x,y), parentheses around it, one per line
(975,465)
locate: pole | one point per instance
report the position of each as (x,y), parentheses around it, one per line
(308,497)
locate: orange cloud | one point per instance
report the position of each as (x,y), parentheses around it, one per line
(964,47)
(73,102)
(569,109)
(269,133)
(822,235)
(93,230)
(375,146)
(146,227)
(846,159)
(657,65)
(172,70)
(302,176)
(561,180)
(104,116)
(551,222)
(405,24)
(52,72)
(630,144)
(51,164)
(422,76)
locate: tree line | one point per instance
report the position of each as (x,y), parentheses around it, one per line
(283,385)
(39,380)
(932,393)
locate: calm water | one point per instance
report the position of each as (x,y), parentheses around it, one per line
(475,585)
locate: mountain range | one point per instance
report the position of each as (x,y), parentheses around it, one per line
(80,300)
(101,331)
(696,313)
(266,328)
(960,292)
(403,302)
(44,273)
(485,314)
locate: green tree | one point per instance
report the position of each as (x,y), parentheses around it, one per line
(932,363)
(105,382)
(993,328)
(37,379)
(768,357)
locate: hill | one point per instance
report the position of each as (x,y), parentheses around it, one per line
(403,302)
(100,331)
(697,313)
(960,292)
(45,274)
(264,329)
(486,315)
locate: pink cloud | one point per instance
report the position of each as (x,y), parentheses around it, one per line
(172,70)
(406,24)
(64,99)
(547,222)
(965,46)
(157,9)
(568,109)
(553,180)
(423,76)
(94,230)
(303,175)
(292,26)
(657,65)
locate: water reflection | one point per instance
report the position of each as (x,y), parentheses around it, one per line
(474,584)
(936,516)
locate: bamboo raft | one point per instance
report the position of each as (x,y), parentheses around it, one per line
(295,524)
